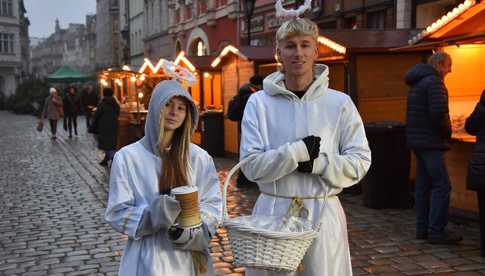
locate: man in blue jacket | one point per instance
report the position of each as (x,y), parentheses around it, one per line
(428,133)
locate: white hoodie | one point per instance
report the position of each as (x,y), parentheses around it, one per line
(275,120)
(134,187)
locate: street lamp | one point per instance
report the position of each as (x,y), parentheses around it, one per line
(248,12)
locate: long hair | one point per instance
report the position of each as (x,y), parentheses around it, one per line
(175,160)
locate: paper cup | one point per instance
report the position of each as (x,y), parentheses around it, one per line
(187,196)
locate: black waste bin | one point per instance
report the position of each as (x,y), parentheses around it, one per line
(212,132)
(386,184)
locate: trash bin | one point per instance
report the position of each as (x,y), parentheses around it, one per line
(212,132)
(386,184)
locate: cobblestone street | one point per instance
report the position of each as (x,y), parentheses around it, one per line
(53,195)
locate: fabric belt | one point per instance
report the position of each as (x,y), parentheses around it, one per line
(300,197)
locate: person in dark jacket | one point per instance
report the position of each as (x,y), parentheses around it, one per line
(89,100)
(105,125)
(72,107)
(428,132)
(475,125)
(236,111)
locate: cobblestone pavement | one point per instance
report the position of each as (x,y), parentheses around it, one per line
(53,195)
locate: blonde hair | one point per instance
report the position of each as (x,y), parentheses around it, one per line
(175,165)
(296,26)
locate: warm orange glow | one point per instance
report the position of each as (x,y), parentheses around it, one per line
(464,83)
(181,58)
(224,52)
(471,12)
(332,44)
(448,21)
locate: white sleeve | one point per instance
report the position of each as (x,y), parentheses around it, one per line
(122,213)
(266,165)
(210,198)
(349,165)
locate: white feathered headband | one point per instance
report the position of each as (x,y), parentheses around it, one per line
(179,73)
(289,14)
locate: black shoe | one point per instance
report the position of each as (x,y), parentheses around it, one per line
(421,236)
(448,238)
(70,136)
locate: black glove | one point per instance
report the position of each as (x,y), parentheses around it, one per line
(305,167)
(312,144)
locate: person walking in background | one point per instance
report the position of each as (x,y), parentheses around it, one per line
(141,179)
(475,125)
(89,100)
(235,113)
(105,125)
(304,142)
(53,110)
(72,107)
(428,132)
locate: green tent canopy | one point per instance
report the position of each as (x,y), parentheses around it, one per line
(67,74)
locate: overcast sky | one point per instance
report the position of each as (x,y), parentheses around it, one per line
(42,14)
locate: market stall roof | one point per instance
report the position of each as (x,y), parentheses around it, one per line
(462,25)
(195,62)
(342,42)
(67,74)
(257,54)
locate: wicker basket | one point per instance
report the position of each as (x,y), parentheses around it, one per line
(261,248)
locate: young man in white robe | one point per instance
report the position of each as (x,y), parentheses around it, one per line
(304,139)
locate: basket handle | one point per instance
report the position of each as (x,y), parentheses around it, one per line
(225,215)
(234,169)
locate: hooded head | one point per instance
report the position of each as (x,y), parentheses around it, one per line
(161,95)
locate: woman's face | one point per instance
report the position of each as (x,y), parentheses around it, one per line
(298,55)
(174,113)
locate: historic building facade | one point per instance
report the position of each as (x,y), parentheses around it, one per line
(74,46)
(108,37)
(14,45)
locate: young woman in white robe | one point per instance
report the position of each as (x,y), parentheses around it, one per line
(304,139)
(142,175)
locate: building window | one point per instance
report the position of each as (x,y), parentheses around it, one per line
(376,20)
(6,43)
(198,48)
(6,8)
(350,23)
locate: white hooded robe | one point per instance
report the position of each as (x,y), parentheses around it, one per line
(275,120)
(134,186)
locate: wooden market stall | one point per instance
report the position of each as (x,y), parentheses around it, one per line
(207,93)
(362,65)
(237,66)
(461,34)
(122,81)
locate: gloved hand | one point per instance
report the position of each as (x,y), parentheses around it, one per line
(312,144)
(193,239)
(305,167)
(163,212)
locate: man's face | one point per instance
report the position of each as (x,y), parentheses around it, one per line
(444,67)
(298,55)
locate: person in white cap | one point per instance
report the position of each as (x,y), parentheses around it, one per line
(142,176)
(53,110)
(304,140)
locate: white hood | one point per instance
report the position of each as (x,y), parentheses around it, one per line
(274,84)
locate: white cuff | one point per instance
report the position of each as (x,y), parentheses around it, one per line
(299,151)
(319,164)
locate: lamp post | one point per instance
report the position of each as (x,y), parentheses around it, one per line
(248,12)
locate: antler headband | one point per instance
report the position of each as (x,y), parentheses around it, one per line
(291,13)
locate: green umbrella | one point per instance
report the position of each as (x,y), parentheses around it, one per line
(67,74)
